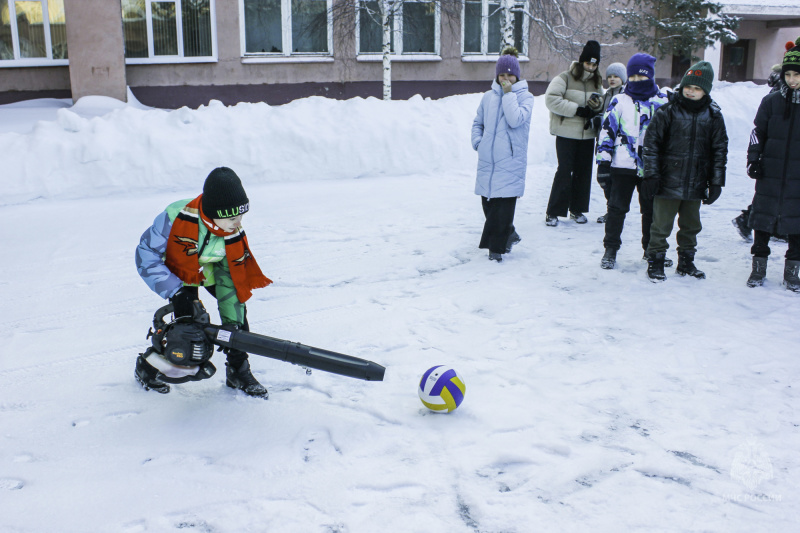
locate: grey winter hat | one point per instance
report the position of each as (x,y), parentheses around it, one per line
(619,70)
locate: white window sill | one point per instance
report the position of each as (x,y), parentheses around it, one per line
(165,60)
(286,59)
(377,58)
(37,62)
(478,58)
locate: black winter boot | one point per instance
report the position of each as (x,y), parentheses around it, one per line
(686,266)
(148,376)
(655,267)
(513,239)
(759,272)
(791,280)
(740,223)
(667,260)
(242,379)
(609,259)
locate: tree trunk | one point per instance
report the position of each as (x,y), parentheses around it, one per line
(386,9)
(506,25)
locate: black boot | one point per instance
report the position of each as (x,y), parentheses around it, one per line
(686,266)
(148,376)
(791,280)
(655,267)
(242,379)
(513,239)
(609,259)
(667,260)
(740,223)
(759,272)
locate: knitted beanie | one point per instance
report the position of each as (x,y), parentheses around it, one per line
(643,64)
(791,61)
(223,194)
(700,74)
(508,63)
(591,53)
(618,70)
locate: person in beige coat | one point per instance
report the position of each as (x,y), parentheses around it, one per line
(574,97)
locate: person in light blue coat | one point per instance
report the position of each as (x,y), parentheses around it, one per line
(500,136)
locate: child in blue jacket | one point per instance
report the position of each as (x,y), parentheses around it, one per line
(619,154)
(198,242)
(500,136)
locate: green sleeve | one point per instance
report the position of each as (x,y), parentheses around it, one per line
(231,310)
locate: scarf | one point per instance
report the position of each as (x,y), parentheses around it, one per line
(183,252)
(791,96)
(641,90)
(693,106)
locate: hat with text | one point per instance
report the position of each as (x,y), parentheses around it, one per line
(223,194)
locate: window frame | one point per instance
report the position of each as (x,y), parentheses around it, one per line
(397,30)
(483,55)
(15,45)
(287,56)
(180,58)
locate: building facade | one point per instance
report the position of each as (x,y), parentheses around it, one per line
(172,53)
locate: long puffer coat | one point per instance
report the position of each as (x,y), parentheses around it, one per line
(685,151)
(500,135)
(775,141)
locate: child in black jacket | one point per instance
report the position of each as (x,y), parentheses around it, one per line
(772,160)
(685,152)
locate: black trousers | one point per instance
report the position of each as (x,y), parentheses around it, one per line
(234,357)
(499,225)
(623,183)
(760,246)
(572,184)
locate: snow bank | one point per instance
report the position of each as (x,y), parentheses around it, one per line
(100,146)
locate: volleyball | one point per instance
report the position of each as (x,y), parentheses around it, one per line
(441,390)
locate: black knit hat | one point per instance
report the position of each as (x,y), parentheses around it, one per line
(791,60)
(591,53)
(223,194)
(700,74)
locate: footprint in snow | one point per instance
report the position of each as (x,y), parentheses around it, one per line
(8,483)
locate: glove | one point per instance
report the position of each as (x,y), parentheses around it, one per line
(649,188)
(713,194)
(597,122)
(604,174)
(182,301)
(585,112)
(754,169)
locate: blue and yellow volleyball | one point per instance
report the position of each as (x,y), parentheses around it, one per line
(441,390)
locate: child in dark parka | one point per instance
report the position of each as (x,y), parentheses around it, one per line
(773,160)
(685,153)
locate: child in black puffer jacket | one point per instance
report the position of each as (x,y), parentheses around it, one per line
(685,152)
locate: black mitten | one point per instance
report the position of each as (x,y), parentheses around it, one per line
(754,169)
(182,301)
(713,194)
(585,112)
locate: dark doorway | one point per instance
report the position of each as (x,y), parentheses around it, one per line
(734,60)
(680,64)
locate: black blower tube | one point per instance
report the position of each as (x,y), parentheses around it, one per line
(295,353)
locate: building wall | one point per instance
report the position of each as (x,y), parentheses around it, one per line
(232,78)
(769,45)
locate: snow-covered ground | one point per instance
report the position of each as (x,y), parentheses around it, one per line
(596,400)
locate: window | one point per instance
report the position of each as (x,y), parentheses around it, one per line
(169,31)
(282,28)
(32,33)
(482,21)
(415,28)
